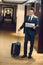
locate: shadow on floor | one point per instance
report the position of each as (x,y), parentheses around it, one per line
(20,58)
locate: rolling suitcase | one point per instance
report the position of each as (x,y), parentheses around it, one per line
(15,49)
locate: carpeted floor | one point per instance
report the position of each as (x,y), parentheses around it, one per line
(6,40)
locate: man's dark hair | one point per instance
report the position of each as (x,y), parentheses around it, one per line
(32,9)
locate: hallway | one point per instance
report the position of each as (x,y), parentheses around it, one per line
(6,39)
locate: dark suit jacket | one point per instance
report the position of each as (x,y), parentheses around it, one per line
(29,30)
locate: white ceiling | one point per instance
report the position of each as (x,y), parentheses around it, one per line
(17,1)
(0,0)
(20,1)
(31,1)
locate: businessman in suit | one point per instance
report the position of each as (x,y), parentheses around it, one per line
(29,32)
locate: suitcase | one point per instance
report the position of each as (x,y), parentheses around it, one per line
(15,49)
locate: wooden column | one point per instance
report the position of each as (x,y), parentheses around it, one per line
(40,44)
(20,17)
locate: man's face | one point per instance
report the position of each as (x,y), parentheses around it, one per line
(31,12)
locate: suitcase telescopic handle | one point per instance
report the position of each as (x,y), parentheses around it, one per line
(18,36)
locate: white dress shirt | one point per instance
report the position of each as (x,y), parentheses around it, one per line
(31,17)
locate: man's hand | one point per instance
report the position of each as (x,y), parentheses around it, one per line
(34,27)
(18,29)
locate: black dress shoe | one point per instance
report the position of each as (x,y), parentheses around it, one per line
(24,56)
(29,57)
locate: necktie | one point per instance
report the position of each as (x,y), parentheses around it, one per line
(29,18)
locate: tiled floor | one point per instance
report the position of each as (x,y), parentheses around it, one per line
(5,57)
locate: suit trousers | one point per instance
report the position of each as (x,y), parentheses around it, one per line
(30,38)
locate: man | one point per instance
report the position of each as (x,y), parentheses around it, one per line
(30,31)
